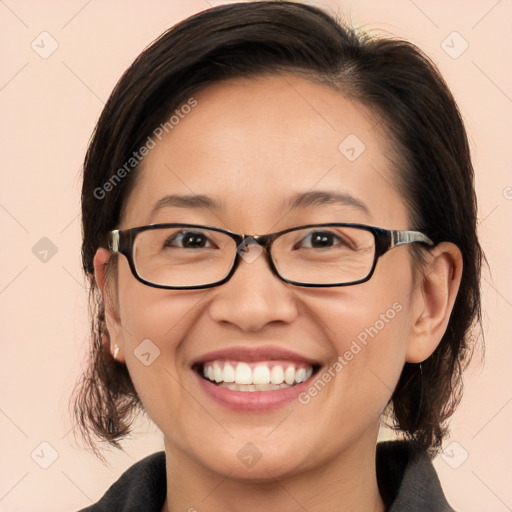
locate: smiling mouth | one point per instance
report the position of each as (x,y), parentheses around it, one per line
(255,376)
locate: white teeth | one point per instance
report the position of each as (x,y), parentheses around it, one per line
(217,372)
(243,374)
(262,377)
(277,375)
(300,375)
(289,375)
(228,373)
(253,387)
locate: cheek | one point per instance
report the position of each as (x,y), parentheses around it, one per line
(155,324)
(369,338)
(152,313)
(368,327)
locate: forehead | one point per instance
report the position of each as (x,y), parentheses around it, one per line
(252,144)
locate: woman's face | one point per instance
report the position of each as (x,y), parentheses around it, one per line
(252,146)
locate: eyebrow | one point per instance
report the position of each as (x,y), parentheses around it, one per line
(320,198)
(297,201)
(185,201)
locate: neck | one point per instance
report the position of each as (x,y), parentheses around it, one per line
(345,483)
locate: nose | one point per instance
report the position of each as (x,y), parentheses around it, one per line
(254,296)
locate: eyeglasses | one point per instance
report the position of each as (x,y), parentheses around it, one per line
(190,256)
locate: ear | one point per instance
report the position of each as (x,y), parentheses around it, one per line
(433,300)
(112,319)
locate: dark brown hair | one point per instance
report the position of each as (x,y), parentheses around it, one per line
(392,77)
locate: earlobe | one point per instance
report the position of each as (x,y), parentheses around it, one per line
(433,300)
(111,329)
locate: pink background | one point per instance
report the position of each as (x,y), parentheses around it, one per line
(48,108)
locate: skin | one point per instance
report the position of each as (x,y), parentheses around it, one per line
(251,144)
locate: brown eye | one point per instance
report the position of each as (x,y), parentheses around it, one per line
(319,240)
(188,240)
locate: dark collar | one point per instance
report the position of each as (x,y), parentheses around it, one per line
(407,479)
(141,488)
(407,483)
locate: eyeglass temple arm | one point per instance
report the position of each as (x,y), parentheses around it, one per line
(400,237)
(114,240)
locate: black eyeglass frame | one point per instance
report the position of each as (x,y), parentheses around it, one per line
(122,241)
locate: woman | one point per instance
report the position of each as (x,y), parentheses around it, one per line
(279,227)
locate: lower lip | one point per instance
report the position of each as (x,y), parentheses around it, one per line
(252,401)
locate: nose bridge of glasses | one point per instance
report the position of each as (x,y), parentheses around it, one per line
(248,240)
(260,241)
(260,245)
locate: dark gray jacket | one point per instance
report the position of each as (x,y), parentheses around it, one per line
(407,482)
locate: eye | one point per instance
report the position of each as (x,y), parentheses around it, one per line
(321,239)
(189,240)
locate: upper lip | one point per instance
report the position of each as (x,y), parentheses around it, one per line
(253,354)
